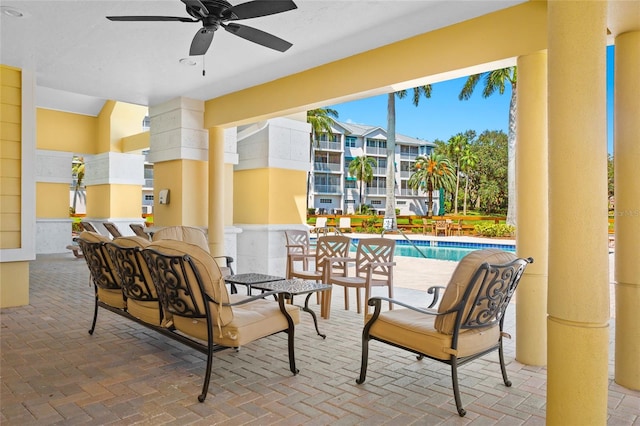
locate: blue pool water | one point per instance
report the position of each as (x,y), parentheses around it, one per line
(441,250)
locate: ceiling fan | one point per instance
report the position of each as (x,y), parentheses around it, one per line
(217,13)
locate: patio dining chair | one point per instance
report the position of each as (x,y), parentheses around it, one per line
(373,268)
(467,324)
(297,243)
(317,266)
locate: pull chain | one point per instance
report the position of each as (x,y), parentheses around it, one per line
(203,71)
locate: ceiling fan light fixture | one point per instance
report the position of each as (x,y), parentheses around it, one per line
(188,62)
(12,12)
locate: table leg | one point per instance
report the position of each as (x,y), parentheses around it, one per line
(313,315)
(290,333)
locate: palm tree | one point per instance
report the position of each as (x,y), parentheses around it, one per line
(321,120)
(497,80)
(390,205)
(455,145)
(77,170)
(432,172)
(468,160)
(362,169)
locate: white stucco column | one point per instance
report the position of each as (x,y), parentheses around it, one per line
(53,234)
(114,183)
(270,184)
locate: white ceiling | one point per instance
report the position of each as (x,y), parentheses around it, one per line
(81,59)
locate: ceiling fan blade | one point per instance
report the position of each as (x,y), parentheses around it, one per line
(256,8)
(197,7)
(258,36)
(201,42)
(150,18)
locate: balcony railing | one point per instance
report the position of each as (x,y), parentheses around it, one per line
(333,146)
(375,151)
(410,192)
(327,189)
(327,167)
(376,191)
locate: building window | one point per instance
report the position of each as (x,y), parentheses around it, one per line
(350,141)
(401,203)
(349,201)
(350,183)
(376,202)
(148,197)
(325,200)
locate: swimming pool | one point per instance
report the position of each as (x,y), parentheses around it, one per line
(441,250)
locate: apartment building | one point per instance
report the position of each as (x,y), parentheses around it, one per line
(333,190)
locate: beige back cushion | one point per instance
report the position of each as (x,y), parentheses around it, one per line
(187,234)
(461,279)
(210,274)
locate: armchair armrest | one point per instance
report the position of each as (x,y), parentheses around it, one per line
(228,260)
(376,302)
(435,290)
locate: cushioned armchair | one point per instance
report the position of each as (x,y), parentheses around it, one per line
(467,324)
(191,288)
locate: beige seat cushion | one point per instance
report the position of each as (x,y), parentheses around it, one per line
(415,330)
(461,278)
(187,234)
(251,321)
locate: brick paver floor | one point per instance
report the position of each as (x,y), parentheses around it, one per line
(53,372)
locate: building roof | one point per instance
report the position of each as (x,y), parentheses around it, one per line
(364,130)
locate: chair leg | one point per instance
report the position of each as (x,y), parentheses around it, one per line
(503,367)
(95,315)
(456,388)
(390,297)
(365,357)
(325,306)
(346,298)
(358,301)
(207,374)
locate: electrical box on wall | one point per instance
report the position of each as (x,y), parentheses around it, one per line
(163,196)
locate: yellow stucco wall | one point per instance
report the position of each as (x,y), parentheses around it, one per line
(273,196)
(113,200)
(52,200)
(14,284)
(136,142)
(65,131)
(187,181)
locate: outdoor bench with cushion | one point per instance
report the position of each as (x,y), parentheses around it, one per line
(177,289)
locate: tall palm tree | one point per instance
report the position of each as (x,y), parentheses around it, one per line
(77,170)
(432,172)
(321,120)
(468,160)
(497,80)
(455,146)
(390,205)
(362,169)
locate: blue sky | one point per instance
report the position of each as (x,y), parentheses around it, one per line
(443,115)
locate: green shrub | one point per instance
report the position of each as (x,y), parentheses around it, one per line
(494,230)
